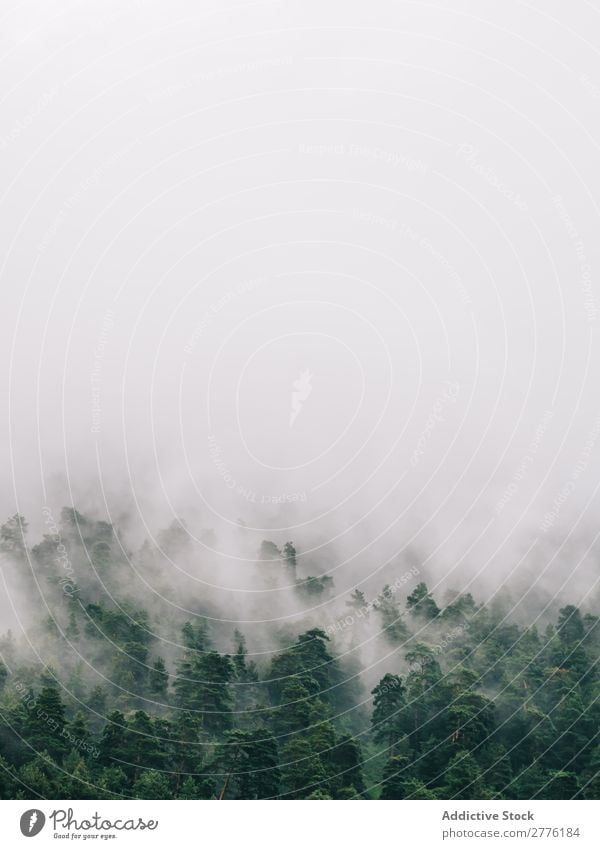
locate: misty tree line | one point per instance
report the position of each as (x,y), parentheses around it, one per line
(474,705)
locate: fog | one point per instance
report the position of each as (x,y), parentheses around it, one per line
(318,273)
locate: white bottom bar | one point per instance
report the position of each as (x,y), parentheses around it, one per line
(301,824)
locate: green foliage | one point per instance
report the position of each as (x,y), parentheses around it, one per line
(289,553)
(158,681)
(151,785)
(392,623)
(312,586)
(463,777)
(202,683)
(13,537)
(389,719)
(470,704)
(421,604)
(269,551)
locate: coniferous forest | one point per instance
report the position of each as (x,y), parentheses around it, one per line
(109,692)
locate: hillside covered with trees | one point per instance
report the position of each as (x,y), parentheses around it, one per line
(400,696)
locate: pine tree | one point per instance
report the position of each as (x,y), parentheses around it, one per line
(389,720)
(358,600)
(12,537)
(46,722)
(289,553)
(303,772)
(393,625)
(158,681)
(269,551)
(151,785)
(463,777)
(344,767)
(113,747)
(421,604)
(202,686)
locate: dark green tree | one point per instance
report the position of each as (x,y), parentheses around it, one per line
(421,603)
(389,720)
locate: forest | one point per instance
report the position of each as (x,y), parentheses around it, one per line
(402,693)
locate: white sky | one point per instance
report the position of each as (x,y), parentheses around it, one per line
(364,191)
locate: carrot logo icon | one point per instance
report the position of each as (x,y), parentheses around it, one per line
(302,389)
(32,822)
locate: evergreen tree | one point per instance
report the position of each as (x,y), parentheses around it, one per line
(289,553)
(12,537)
(269,551)
(421,604)
(463,777)
(303,772)
(487,707)
(344,767)
(202,686)
(158,681)
(46,722)
(393,625)
(151,785)
(389,720)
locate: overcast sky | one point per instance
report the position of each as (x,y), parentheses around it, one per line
(329,268)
